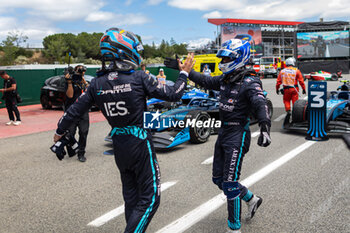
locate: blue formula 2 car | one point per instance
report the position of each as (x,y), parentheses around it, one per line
(338,113)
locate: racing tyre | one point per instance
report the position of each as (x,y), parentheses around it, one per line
(334,77)
(269,107)
(199,134)
(299,111)
(45,103)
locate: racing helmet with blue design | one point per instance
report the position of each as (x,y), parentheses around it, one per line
(117,44)
(290,61)
(239,53)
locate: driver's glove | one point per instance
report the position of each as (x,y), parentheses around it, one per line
(172,63)
(264,137)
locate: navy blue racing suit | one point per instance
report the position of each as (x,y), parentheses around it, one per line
(236,101)
(122,100)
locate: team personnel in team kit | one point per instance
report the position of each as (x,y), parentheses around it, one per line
(120,91)
(240,90)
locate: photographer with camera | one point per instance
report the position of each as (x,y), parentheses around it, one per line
(75,86)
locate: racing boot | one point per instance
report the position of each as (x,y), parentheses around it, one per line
(81,157)
(286,122)
(253,205)
(232,226)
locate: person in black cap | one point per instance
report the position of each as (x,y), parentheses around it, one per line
(9,95)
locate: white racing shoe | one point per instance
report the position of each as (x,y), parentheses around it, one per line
(253,205)
(17,123)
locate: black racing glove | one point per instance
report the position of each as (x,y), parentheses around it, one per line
(264,137)
(304,92)
(277,91)
(172,63)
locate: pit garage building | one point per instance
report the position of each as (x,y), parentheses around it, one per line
(270,37)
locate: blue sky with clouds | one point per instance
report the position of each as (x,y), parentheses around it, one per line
(153,20)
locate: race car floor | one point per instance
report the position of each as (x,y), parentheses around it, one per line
(35,119)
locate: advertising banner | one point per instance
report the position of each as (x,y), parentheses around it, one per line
(253,33)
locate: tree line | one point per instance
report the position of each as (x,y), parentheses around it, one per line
(10,48)
(80,48)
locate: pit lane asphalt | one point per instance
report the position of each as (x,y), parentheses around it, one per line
(38,193)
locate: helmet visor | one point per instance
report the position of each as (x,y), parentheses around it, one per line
(227,53)
(223,53)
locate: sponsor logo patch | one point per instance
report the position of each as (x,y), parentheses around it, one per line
(116,89)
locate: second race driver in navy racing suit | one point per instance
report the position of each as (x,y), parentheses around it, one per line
(120,92)
(240,92)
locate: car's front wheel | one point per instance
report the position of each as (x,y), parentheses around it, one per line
(269,107)
(299,112)
(334,77)
(199,134)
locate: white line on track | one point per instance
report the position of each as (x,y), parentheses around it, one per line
(280,117)
(194,216)
(210,160)
(255,134)
(120,210)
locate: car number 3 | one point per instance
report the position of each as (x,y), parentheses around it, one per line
(317,100)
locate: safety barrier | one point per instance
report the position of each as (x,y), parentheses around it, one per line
(30,81)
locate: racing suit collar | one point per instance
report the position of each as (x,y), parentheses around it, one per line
(238,75)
